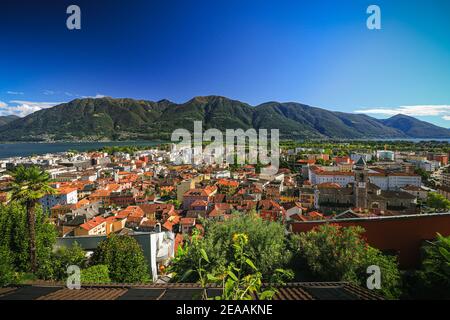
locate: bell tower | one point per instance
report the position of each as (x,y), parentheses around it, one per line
(361,184)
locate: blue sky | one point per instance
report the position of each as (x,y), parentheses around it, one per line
(315,52)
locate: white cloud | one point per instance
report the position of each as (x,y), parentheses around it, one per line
(49,92)
(418,110)
(97,96)
(15,92)
(446,118)
(23,108)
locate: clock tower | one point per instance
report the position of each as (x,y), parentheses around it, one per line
(361,184)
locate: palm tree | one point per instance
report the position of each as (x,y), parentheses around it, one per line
(29,185)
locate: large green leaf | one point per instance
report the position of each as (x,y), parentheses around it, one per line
(204,255)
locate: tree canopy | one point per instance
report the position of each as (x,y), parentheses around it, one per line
(266,245)
(438,201)
(334,253)
(124,258)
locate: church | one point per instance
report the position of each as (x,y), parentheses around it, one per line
(364,196)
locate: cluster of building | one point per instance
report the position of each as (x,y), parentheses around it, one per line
(149,193)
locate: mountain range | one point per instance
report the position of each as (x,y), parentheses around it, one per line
(128,119)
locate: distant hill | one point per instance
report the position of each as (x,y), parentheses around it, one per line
(128,119)
(7,119)
(416,128)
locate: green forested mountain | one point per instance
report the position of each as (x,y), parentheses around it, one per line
(416,128)
(7,119)
(127,119)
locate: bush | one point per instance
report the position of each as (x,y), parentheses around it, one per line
(333,253)
(15,237)
(438,201)
(433,280)
(7,274)
(391,280)
(95,274)
(267,246)
(67,256)
(237,284)
(124,258)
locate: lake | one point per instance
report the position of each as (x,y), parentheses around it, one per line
(23,149)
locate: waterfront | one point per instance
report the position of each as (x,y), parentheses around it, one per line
(24,149)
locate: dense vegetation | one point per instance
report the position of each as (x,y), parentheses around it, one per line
(334,253)
(329,253)
(124,259)
(264,253)
(267,245)
(438,201)
(432,280)
(14,242)
(124,119)
(337,147)
(120,255)
(326,253)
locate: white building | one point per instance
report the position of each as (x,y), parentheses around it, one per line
(221,174)
(63,196)
(356,156)
(394,181)
(318,176)
(385,181)
(385,155)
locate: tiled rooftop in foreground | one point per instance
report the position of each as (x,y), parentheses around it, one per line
(182,291)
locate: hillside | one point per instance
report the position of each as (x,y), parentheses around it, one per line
(7,119)
(128,119)
(416,128)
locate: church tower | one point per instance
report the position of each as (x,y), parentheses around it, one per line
(361,184)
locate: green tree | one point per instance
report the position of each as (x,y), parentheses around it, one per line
(30,185)
(236,283)
(334,253)
(424,174)
(176,203)
(266,244)
(7,273)
(434,276)
(391,280)
(95,274)
(67,256)
(15,236)
(124,258)
(438,201)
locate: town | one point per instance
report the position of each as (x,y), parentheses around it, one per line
(400,198)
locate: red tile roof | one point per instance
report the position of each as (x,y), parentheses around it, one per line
(88,225)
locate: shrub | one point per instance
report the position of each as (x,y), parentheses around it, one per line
(391,280)
(67,256)
(15,237)
(95,274)
(267,245)
(433,280)
(334,253)
(124,258)
(7,273)
(438,201)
